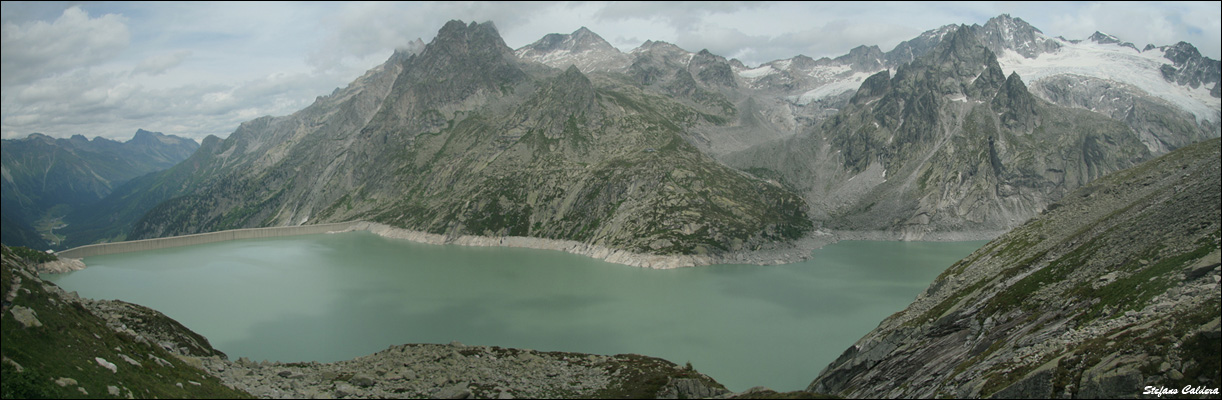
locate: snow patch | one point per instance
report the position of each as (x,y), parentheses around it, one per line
(762,71)
(829,89)
(1116,63)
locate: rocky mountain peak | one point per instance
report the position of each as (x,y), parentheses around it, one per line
(462,60)
(459,44)
(36,135)
(1190,68)
(412,47)
(909,50)
(1017,105)
(863,58)
(585,35)
(573,76)
(582,48)
(144,137)
(961,54)
(712,69)
(1005,32)
(659,47)
(1103,38)
(873,87)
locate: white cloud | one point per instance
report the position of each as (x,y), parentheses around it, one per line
(202,68)
(38,49)
(159,64)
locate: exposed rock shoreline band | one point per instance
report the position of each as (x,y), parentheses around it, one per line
(796,251)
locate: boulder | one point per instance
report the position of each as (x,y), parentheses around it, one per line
(106,364)
(458,391)
(27,317)
(362,380)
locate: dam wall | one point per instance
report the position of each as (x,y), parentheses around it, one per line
(201,238)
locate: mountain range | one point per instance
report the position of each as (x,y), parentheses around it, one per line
(45,179)
(1098,160)
(961,132)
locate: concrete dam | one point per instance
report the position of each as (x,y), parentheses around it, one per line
(201,238)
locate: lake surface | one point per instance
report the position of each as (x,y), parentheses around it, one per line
(333,297)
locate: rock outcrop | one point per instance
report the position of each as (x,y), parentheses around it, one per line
(456,371)
(1111,291)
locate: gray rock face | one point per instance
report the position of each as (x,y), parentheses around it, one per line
(947,144)
(1188,67)
(1161,127)
(1006,32)
(1111,290)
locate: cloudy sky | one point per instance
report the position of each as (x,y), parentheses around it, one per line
(194,69)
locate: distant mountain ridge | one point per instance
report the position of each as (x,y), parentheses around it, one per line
(41,173)
(788,96)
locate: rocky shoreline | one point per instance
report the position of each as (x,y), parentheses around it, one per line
(61,265)
(456,371)
(781,253)
(785,254)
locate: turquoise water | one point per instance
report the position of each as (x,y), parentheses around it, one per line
(333,297)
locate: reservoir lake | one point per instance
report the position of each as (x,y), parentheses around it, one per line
(331,297)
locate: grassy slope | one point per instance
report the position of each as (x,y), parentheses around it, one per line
(70,338)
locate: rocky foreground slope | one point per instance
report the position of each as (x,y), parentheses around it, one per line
(1112,290)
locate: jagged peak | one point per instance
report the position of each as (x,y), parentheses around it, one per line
(658,45)
(1015,82)
(410,48)
(1186,48)
(581,39)
(576,83)
(957,43)
(141,133)
(583,31)
(863,58)
(457,31)
(874,86)
(1103,38)
(38,136)
(1005,20)
(572,72)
